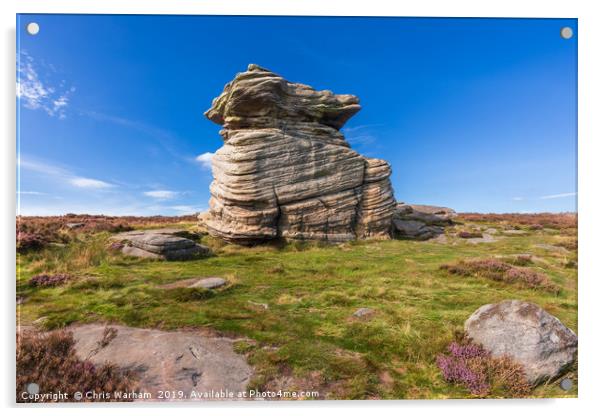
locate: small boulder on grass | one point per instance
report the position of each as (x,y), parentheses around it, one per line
(210,283)
(195,282)
(363,312)
(527,334)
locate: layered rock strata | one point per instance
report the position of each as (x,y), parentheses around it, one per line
(286,170)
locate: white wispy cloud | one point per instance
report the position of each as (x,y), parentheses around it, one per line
(41,167)
(553,196)
(360,135)
(186,209)
(361,139)
(565,195)
(36,93)
(62,174)
(31,193)
(205,159)
(162,194)
(360,127)
(90,183)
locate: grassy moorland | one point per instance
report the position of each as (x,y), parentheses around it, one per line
(294,302)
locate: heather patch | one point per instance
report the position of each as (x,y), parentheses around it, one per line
(116,246)
(34,233)
(533,221)
(50,361)
(472,367)
(29,241)
(49,280)
(501,271)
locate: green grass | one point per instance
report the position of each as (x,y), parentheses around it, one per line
(307,334)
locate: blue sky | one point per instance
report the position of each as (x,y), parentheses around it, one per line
(475,114)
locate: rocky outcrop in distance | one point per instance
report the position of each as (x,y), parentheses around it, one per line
(286,170)
(421,222)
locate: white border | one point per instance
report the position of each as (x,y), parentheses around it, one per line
(590,207)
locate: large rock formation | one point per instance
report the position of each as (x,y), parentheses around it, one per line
(526,333)
(285,169)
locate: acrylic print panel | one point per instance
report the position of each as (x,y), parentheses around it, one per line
(212,217)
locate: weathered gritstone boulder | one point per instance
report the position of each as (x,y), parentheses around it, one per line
(164,243)
(421,222)
(285,169)
(527,334)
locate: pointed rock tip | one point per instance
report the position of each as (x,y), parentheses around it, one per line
(255,67)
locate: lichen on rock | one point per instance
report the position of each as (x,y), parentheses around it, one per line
(285,169)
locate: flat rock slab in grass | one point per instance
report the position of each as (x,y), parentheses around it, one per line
(207,283)
(162,243)
(138,252)
(210,283)
(168,360)
(515,232)
(486,238)
(363,312)
(550,247)
(165,231)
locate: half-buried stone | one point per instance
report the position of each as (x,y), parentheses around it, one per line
(206,283)
(209,283)
(164,243)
